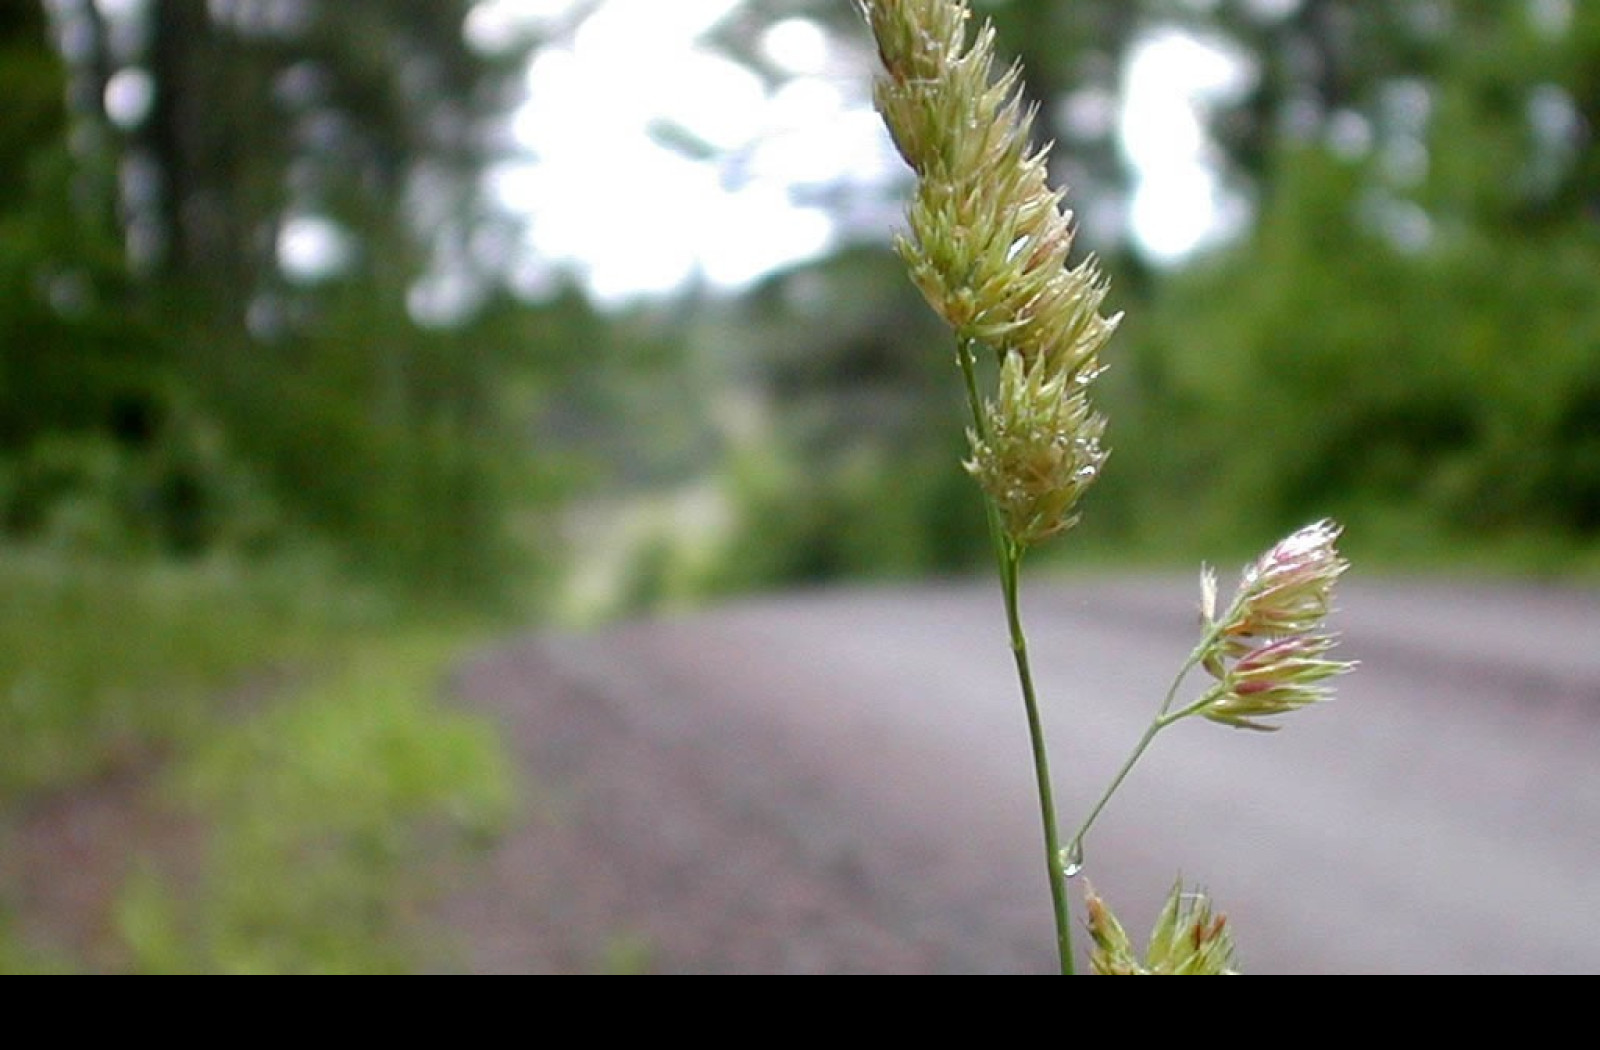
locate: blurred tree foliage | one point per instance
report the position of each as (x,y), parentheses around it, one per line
(1408,335)
(856,473)
(1405,332)
(235,309)
(1402,332)
(245,299)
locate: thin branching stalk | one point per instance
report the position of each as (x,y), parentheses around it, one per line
(1164,717)
(988,247)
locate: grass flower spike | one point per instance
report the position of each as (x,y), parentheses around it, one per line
(1268,651)
(1286,591)
(1273,679)
(1188,940)
(988,248)
(989,239)
(1037,452)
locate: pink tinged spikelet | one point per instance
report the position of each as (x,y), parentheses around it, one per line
(1268,651)
(1289,589)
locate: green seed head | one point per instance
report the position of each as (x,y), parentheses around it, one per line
(988,246)
(1039,452)
(1189,940)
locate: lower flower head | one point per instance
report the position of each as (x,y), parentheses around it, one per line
(1189,939)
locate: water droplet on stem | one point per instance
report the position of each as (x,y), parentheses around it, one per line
(1072,859)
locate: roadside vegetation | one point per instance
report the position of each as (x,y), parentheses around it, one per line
(255,496)
(258,769)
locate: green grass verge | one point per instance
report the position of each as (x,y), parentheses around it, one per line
(291,726)
(103,661)
(324,813)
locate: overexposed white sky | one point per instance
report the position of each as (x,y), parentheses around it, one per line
(1179,203)
(650,160)
(647,161)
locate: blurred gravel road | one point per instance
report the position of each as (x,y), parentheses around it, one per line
(838,781)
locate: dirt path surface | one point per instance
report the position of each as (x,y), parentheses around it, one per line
(649,847)
(838,783)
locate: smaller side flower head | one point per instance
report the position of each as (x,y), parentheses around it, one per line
(1188,940)
(1268,650)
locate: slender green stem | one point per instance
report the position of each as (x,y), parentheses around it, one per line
(1075,844)
(1195,656)
(969,374)
(1199,705)
(1164,717)
(1008,558)
(1041,771)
